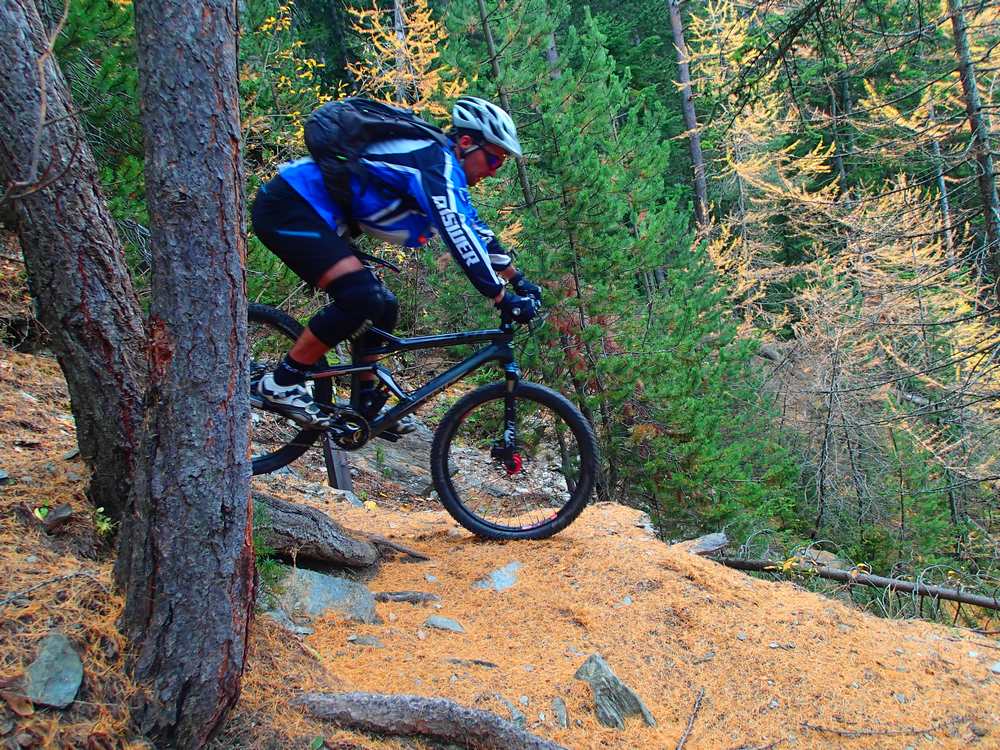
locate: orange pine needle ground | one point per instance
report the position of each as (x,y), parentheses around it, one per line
(777,664)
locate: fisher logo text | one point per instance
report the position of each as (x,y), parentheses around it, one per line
(453,226)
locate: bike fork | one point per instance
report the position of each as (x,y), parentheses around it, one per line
(507,451)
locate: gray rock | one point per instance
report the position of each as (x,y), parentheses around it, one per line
(559,709)
(516,715)
(4,477)
(500,579)
(306,593)
(54,677)
(405,462)
(286,622)
(613,698)
(524,700)
(71,454)
(348,497)
(365,640)
(443,623)
(58,517)
(72,476)
(709,544)
(995,668)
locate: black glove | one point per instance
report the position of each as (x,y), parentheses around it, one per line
(524,287)
(515,307)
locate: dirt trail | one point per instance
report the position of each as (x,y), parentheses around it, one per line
(776,666)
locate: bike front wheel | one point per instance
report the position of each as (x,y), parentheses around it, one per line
(530,489)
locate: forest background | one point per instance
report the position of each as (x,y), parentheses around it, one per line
(769,235)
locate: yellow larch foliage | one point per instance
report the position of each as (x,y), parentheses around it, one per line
(399,64)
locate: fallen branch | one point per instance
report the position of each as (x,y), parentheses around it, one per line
(694,715)
(884,732)
(407,715)
(383,543)
(851,577)
(11,598)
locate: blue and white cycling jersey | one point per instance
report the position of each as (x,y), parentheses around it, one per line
(419,190)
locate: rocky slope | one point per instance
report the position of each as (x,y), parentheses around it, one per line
(719,659)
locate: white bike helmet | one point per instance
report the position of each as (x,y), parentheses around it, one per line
(481,116)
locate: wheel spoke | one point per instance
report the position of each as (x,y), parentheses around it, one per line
(514,496)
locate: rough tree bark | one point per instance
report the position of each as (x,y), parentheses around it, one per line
(76,266)
(986,176)
(690,120)
(185,558)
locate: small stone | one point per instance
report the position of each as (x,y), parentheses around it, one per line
(995,668)
(421,634)
(900,698)
(979,730)
(500,579)
(392,617)
(614,700)
(706,658)
(843,628)
(774,644)
(773,704)
(559,710)
(366,640)
(4,477)
(31,559)
(58,517)
(71,454)
(741,636)
(72,476)
(444,623)
(541,716)
(54,677)
(28,397)
(524,700)
(855,685)
(709,544)
(973,654)
(899,652)
(280,617)
(529,667)
(453,679)
(430,578)
(627,601)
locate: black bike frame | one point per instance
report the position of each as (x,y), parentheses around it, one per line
(499,350)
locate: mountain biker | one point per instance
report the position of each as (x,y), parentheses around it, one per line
(420,189)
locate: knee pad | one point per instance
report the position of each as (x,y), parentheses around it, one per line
(358,301)
(390,311)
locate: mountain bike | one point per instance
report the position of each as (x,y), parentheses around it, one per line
(509,460)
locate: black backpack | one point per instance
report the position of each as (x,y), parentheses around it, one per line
(337,134)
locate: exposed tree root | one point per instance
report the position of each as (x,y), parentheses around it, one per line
(436,718)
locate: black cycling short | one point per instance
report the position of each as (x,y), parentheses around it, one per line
(292,230)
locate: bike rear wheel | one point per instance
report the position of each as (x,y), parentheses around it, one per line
(276,441)
(533,496)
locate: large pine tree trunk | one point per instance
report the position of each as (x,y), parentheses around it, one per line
(986,175)
(185,558)
(76,267)
(690,120)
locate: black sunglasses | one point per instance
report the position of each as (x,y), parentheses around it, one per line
(493,161)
